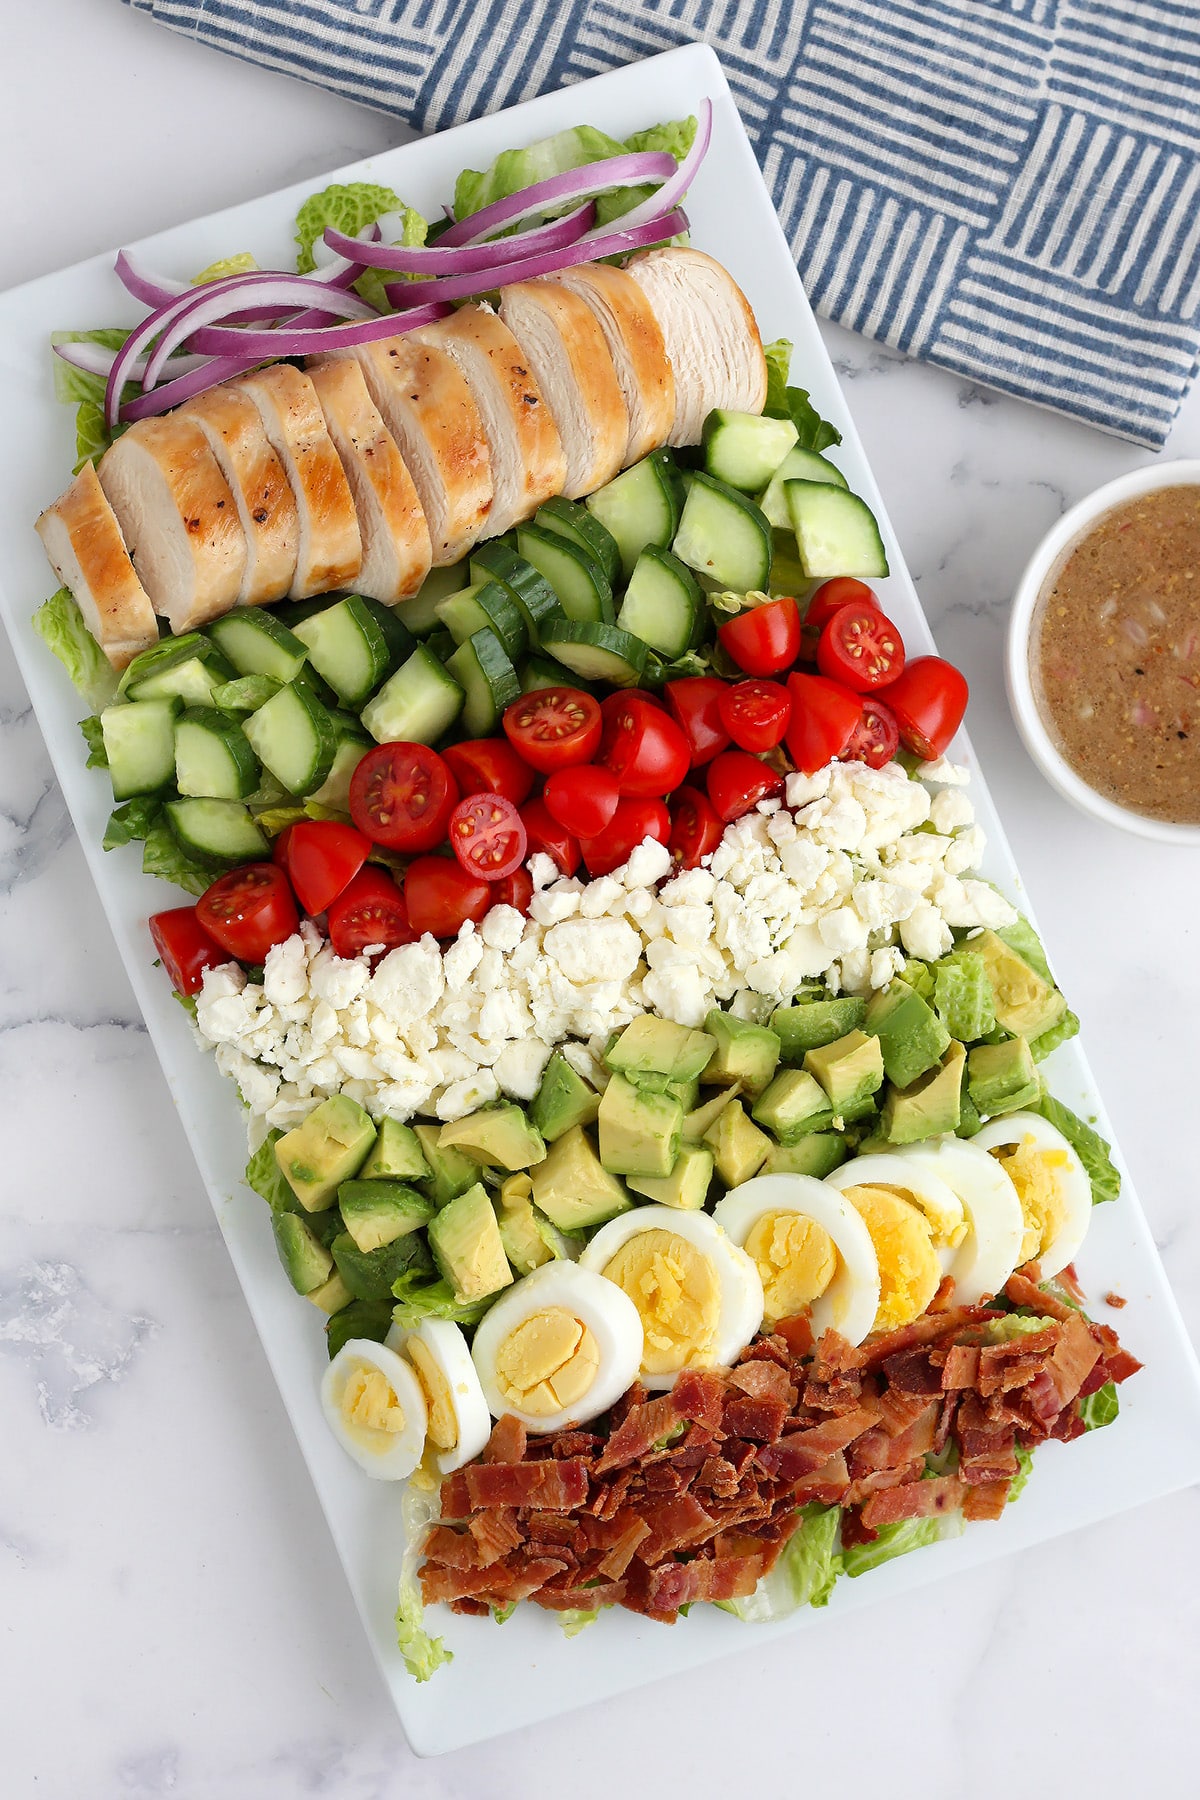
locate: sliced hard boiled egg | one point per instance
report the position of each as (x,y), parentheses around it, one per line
(375,1408)
(560,1346)
(459,1422)
(813,1252)
(698,1295)
(912,1215)
(991,1250)
(1051,1183)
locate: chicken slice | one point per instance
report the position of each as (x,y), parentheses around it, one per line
(329,547)
(563,343)
(710,334)
(81,537)
(258,481)
(428,408)
(178,517)
(525,450)
(395,537)
(635,344)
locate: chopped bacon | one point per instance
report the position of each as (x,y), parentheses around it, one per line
(1068,1279)
(802,1452)
(961,1367)
(455,1500)
(581,1599)
(897,1411)
(675,1525)
(987,1500)
(915,1500)
(1115,1300)
(912,1373)
(554,1486)
(943,1298)
(827,1484)
(619,1554)
(454,1549)
(508,1441)
(764,1381)
(495,1532)
(500,1583)
(1023,1291)
(698,1395)
(638,1432)
(796,1333)
(762,1420)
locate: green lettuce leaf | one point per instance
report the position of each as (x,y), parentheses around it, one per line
(265,1177)
(131,822)
(805,1574)
(349,207)
(1015,1325)
(1100,1408)
(676,138)
(1064,1028)
(423,1654)
(418,1298)
(1024,1471)
(784,402)
(372,284)
(360,1319)
(779,361)
(963,996)
(1022,938)
(920,977)
(93,737)
(502,1614)
(163,857)
(1091,1149)
(243,263)
(85,392)
(566,150)
(573,1622)
(899,1539)
(246,693)
(59,624)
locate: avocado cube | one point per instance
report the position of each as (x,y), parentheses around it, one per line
(812,1023)
(573,1188)
(850,1070)
(739,1148)
(360,1319)
(524,1245)
(930,1106)
(652,1052)
(639,1129)
(817,1155)
(686,1187)
(794,1104)
(326,1149)
(697,1122)
(369,1274)
(499,1137)
(332,1295)
(563,1100)
(450,1172)
(1023,1002)
(375,1213)
(465,1239)
(969,1121)
(1002,1078)
(686,1092)
(306,1261)
(745,1053)
(911,1035)
(396,1155)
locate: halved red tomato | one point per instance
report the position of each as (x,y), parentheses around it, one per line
(441,896)
(876,737)
(861,648)
(824,718)
(582,799)
(551,728)
(644,748)
(695,704)
(487,836)
(515,890)
(490,766)
(737,782)
(402,795)
(546,834)
(321,856)
(185,948)
(249,910)
(369,912)
(929,701)
(636,818)
(755,713)
(829,598)
(764,640)
(695,828)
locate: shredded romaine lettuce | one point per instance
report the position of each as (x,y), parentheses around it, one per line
(423,1654)
(566,150)
(85,391)
(899,1539)
(804,1575)
(131,822)
(242,264)
(784,402)
(246,693)
(1013,1325)
(1024,1471)
(963,996)
(93,737)
(266,1178)
(1100,1408)
(349,207)
(1059,1032)
(573,1622)
(162,856)
(1022,938)
(59,623)
(418,1298)
(1091,1149)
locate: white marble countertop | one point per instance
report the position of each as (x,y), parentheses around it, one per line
(173,1620)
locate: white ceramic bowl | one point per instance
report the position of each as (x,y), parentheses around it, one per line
(1042,567)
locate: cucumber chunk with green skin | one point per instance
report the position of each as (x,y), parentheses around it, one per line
(257,643)
(571,520)
(293,737)
(352,745)
(486,606)
(218,832)
(836,531)
(186,668)
(487,679)
(347,648)
(139,741)
(663,604)
(246,693)
(399,639)
(724,537)
(418,704)
(597,652)
(639,507)
(745,449)
(532,594)
(543,672)
(420,613)
(580,585)
(797,465)
(213,758)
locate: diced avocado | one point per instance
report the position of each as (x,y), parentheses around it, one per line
(499,1137)
(332,1295)
(1002,1078)
(465,1239)
(303,1255)
(686,1092)
(809,1025)
(969,1121)
(376,1213)
(360,1319)
(564,1246)
(563,1101)
(738,1146)
(326,1149)
(697,1122)
(573,1188)
(686,1186)
(653,1052)
(639,1130)
(450,1172)
(516,1189)
(850,1070)
(396,1155)
(523,1243)
(932,1105)
(910,1033)
(794,1104)
(369,1274)
(816,1155)
(1023,1002)
(745,1053)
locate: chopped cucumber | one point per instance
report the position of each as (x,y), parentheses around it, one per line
(663,604)
(488,680)
(580,584)
(573,521)
(598,652)
(216,831)
(399,639)
(334,791)
(543,672)
(535,598)
(213,758)
(293,737)
(347,647)
(486,606)
(187,668)
(836,532)
(724,536)
(139,741)
(245,694)
(639,507)
(418,704)
(744,449)
(420,613)
(797,465)
(257,643)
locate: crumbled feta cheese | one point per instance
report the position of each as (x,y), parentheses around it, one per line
(949,809)
(648,864)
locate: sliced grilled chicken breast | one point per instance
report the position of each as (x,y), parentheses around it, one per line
(430,412)
(710,335)
(81,537)
(329,544)
(395,538)
(635,344)
(563,344)
(524,448)
(178,518)
(261,490)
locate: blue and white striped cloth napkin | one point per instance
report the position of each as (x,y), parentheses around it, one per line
(1007,188)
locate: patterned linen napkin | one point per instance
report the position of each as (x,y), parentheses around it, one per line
(1007,188)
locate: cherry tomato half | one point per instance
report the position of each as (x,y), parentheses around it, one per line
(695,704)
(490,766)
(929,701)
(369,911)
(737,782)
(636,818)
(321,856)
(551,728)
(402,795)
(876,737)
(695,828)
(755,713)
(764,640)
(583,799)
(248,910)
(829,598)
(645,749)
(825,716)
(441,896)
(515,890)
(185,948)
(546,834)
(487,836)
(861,648)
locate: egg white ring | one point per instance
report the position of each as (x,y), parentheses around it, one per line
(1073,1183)
(450,1352)
(933,1198)
(741,1300)
(851,1301)
(397,1460)
(991,1249)
(606,1310)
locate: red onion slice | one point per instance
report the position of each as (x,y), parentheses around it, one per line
(96,360)
(293,339)
(630,170)
(206,305)
(437,259)
(676,186)
(154,289)
(209,370)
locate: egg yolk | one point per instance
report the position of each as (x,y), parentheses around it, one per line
(439,1401)
(369,1402)
(909,1270)
(678,1297)
(548,1362)
(1031,1169)
(795,1258)
(946,1226)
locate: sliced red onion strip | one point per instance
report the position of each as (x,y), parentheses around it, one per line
(209,371)
(436,259)
(206,305)
(630,170)
(146,284)
(96,360)
(289,339)
(676,186)
(142,335)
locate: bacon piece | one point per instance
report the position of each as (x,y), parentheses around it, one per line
(916,1500)
(761,1420)
(1023,1291)
(552,1486)
(763,1381)
(499,1584)
(912,1373)
(943,1298)
(556,1528)
(638,1432)
(453,1549)
(834,1352)
(1068,1279)
(874,1481)
(508,1441)
(802,1452)
(1075,1355)
(897,1411)
(915,1440)
(925,1330)
(673,1585)
(697,1397)
(827,1484)
(495,1533)
(986,1500)
(580,1599)
(455,1500)
(718,1476)
(1115,1300)
(796,1333)
(621,1552)
(961,1367)
(675,1525)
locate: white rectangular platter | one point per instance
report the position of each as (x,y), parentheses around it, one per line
(501,1680)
